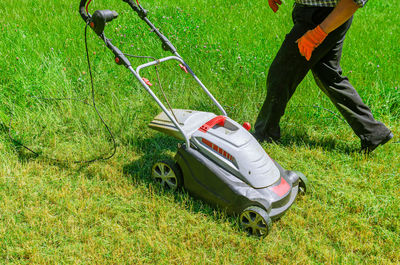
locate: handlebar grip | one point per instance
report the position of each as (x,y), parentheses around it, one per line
(219,120)
(100,18)
(107,15)
(82,10)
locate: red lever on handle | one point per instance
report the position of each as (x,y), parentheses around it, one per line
(183,68)
(220,120)
(147,81)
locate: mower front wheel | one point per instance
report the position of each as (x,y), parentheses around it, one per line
(255,221)
(168,173)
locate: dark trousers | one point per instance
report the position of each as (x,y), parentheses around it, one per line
(289,68)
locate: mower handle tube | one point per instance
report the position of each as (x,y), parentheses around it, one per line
(166,44)
(86,17)
(179,59)
(132,4)
(204,88)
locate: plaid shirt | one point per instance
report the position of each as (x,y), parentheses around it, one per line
(327,3)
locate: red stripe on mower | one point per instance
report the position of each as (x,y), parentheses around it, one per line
(210,144)
(217,149)
(282,188)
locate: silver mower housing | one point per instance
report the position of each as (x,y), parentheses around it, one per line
(226,166)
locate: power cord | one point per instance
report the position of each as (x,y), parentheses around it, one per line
(73,99)
(325,109)
(332,112)
(37,154)
(103,121)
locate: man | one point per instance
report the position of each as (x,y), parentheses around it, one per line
(315,43)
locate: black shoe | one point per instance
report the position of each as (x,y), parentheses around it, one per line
(262,139)
(367,147)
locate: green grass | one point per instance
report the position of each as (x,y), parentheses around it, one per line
(111,212)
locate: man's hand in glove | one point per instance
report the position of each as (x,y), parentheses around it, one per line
(311,40)
(273,4)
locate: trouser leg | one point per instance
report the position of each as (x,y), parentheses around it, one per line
(285,73)
(289,68)
(328,75)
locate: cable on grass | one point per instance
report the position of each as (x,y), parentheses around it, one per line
(93,105)
(36,153)
(325,109)
(298,106)
(332,112)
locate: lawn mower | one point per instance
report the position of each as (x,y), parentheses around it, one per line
(219,161)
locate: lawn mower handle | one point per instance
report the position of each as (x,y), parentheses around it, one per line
(85,16)
(82,10)
(132,4)
(120,58)
(167,45)
(123,60)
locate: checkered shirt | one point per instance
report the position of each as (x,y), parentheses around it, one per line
(327,3)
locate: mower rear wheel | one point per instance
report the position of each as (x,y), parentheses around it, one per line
(303,182)
(255,221)
(168,174)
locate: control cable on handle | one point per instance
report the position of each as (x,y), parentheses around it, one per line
(87,6)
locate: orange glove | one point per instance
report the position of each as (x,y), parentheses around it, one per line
(311,40)
(273,4)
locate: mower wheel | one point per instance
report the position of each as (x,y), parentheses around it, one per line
(255,221)
(303,182)
(168,173)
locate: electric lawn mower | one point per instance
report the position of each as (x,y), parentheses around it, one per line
(219,162)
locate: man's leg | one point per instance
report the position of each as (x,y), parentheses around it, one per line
(285,73)
(289,68)
(328,75)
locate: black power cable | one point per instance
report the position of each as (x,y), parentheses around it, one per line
(94,104)
(83,101)
(322,108)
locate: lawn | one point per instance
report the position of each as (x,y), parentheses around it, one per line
(111,212)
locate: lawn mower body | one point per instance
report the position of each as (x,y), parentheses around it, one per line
(220,162)
(226,166)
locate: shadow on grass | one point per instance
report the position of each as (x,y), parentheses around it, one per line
(3,128)
(294,136)
(164,148)
(23,155)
